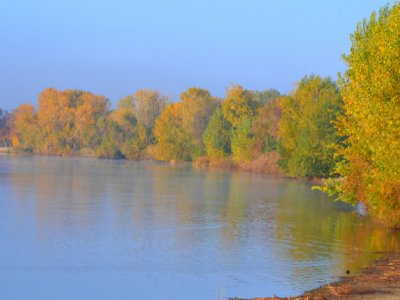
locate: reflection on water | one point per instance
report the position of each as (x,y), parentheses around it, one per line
(84,228)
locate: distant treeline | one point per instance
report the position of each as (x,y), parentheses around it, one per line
(349,130)
(246,128)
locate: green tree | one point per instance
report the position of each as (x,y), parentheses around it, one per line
(308,137)
(109,139)
(371,117)
(135,143)
(242,142)
(216,136)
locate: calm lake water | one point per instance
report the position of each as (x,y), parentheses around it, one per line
(100,229)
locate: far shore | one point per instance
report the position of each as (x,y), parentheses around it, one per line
(6,150)
(225,165)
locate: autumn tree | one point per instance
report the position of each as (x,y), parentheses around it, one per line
(239,104)
(197,107)
(371,117)
(179,129)
(86,110)
(174,141)
(25,130)
(308,137)
(265,126)
(66,120)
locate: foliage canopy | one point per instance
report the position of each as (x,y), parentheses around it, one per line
(371,117)
(308,137)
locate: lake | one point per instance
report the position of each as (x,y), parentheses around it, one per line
(81,228)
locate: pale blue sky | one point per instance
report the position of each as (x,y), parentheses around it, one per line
(115,47)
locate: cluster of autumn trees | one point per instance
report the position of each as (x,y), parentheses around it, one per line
(349,131)
(74,122)
(296,130)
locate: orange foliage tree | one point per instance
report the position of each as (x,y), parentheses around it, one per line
(24,132)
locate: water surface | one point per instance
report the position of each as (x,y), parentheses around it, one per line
(74,228)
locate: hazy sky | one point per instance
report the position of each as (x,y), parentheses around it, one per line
(115,47)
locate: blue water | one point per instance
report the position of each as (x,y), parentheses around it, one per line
(78,228)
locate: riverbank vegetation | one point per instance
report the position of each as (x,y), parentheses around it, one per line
(369,168)
(255,130)
(349,131)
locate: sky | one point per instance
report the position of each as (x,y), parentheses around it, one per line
(115,47)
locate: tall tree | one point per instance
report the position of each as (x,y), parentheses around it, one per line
(371,118)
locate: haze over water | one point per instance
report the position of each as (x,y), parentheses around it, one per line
(74,228)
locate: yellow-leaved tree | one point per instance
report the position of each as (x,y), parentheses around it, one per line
(174,142)
(370,122)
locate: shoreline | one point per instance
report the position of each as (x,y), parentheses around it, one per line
(6,150)
(380,280)
(226,165)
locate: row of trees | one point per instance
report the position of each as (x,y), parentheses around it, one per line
(238,129)
(247,125)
